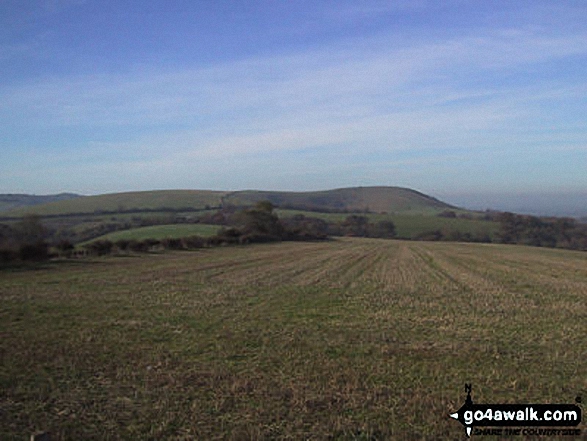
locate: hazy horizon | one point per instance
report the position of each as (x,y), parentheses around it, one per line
(453,98)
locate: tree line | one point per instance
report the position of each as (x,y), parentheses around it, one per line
(542,232)
(29,240)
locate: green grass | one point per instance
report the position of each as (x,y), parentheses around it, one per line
(337,340)
(162,232)
(410,226)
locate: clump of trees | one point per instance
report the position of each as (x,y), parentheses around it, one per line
(451,235)
(449,214)
(523,230)
(541,232)
(301,227)
(25,241)
(257,224)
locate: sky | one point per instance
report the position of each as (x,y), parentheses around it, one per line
(451,97)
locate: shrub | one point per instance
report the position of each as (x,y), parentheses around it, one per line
(100,247)
(36,252)
(384,229)
(173,244)
(430,235)
(355,226)
(300,227)
(448,214)
(122,244)
(152,243)
(194,242)
(138,246)
(8,255)
(256,238)
(65,248)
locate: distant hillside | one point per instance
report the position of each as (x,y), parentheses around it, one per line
(357,199)
(13,201)
(130,201)
(371,199)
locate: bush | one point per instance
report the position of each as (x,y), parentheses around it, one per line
(152,243)
(355,226)
(138,246)
(384,229)
(256,238)
(65,248)
(193,242)
(8,255)
(448,214)
(430,235)
(35,252)
(100,247)
(122,244)
(300,227)
(173,244)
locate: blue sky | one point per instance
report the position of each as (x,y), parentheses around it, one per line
(446,97)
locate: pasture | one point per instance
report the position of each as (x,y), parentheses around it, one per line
(346,339)
(409,226)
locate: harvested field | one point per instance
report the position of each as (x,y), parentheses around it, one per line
(348,339)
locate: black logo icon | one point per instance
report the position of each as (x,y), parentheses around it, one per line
(473,415)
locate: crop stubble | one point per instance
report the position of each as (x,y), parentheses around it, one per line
(343,339)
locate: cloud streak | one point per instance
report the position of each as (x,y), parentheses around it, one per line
(372,94)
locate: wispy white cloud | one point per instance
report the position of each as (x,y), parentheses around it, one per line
(360,78)
(368,95)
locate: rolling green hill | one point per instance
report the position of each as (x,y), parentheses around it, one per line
(14,201)
(357,199)
(129,201)
(371,199)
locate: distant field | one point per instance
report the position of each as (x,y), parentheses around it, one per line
(162,232)
(409,226)
(348,339)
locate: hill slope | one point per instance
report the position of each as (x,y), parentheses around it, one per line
(357,199)
(13,201)
(130,201)
(371,199)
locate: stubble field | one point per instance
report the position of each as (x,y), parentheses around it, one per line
(347,339)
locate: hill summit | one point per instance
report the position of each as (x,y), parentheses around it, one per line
(354,199)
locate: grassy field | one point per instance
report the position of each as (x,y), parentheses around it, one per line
(162,232)
(347,339)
